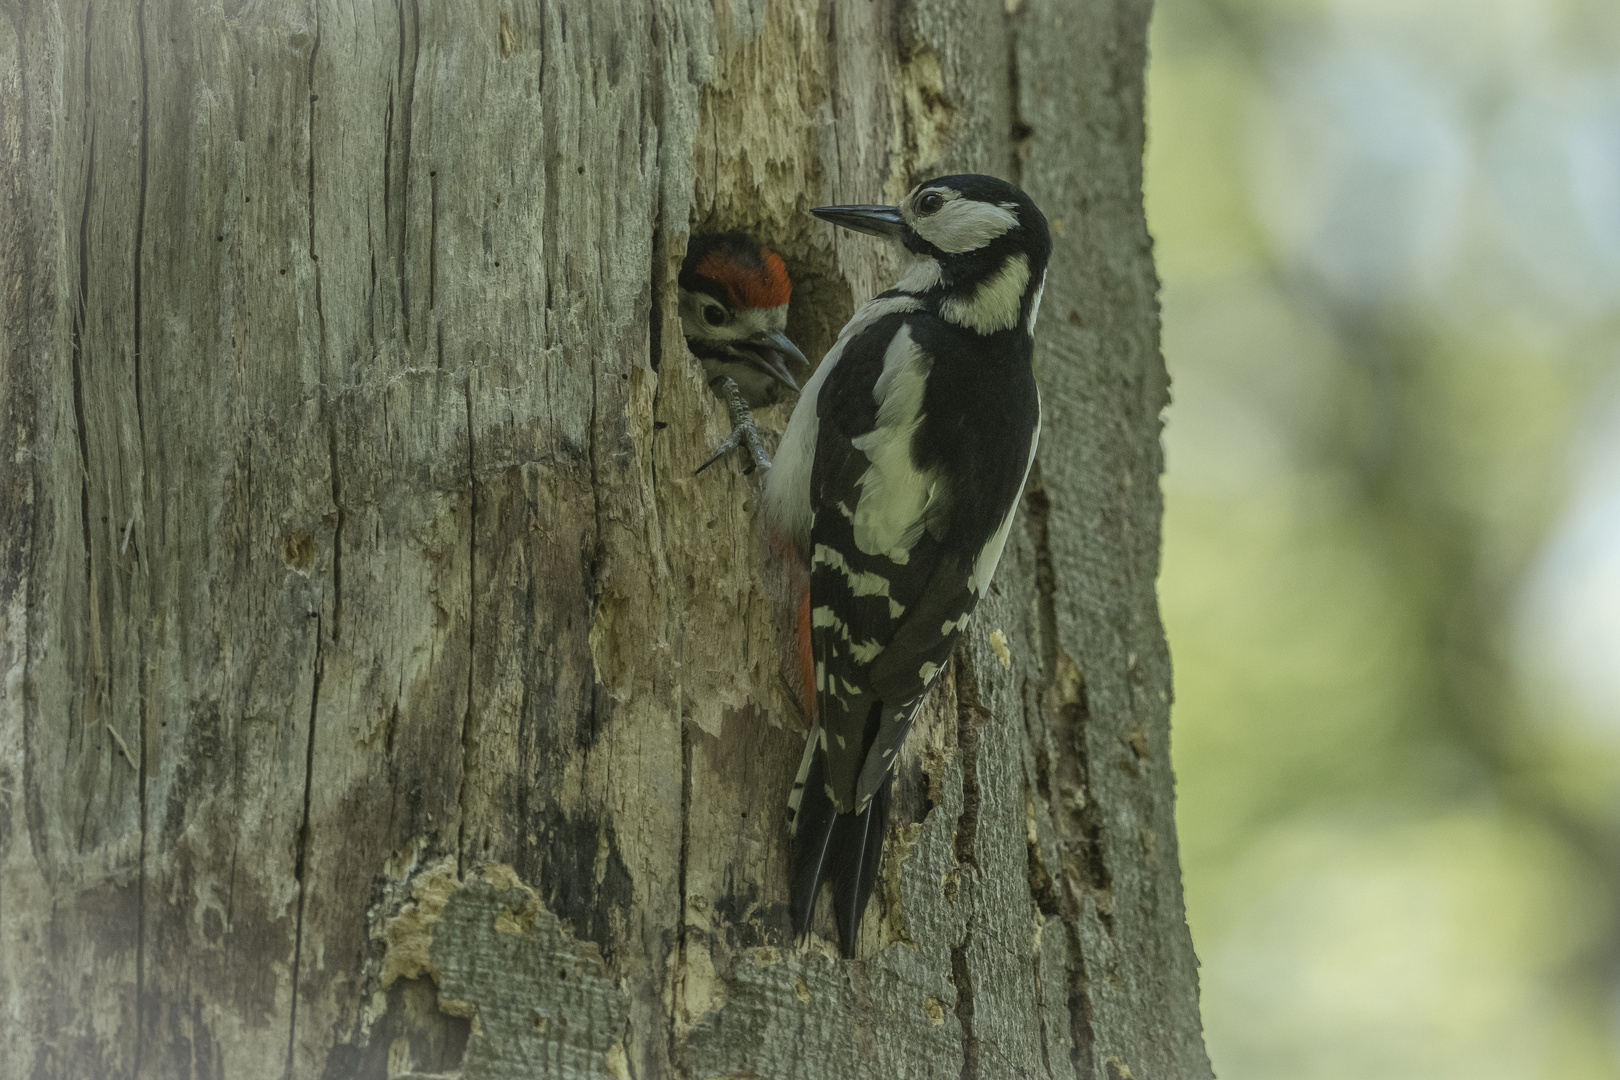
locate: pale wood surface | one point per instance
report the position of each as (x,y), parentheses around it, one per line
(383,696)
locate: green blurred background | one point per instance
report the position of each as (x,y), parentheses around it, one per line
(1389,233)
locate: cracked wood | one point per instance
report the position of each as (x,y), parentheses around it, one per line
(379,692)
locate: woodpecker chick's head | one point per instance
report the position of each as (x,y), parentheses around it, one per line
(975,244)
(734,302)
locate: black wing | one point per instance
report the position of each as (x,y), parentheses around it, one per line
(906,496)
(916,471)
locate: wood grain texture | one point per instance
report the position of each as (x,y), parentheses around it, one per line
(382,694)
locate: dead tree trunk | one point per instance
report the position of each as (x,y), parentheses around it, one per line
(383,696)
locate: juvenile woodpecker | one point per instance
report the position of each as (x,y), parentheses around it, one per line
(895,485)
(734,301)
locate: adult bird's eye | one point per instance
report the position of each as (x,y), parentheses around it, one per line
(931,202)
(714,315)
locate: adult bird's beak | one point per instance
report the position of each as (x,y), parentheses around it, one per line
(877,220)
(771,351)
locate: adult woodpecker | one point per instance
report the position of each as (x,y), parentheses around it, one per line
(896,484)
(734,299)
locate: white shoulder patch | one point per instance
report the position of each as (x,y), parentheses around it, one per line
(787,486)
(994,305)
(894,492)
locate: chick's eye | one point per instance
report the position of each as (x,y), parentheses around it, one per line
(714,315)
(931,202)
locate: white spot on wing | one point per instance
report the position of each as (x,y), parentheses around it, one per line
(866,651)
(863,652)
(927,673)
(951,626)
(861,583)
(826,616)
(994,305)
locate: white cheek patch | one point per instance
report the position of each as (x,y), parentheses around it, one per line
(889,516)
(994,305)
(965,225)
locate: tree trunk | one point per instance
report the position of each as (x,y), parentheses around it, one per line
(384,696)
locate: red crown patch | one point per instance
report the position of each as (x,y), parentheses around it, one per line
(763,286)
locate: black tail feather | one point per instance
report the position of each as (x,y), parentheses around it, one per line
(855,875)
(845,849)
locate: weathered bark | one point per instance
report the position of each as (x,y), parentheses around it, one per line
(383,694)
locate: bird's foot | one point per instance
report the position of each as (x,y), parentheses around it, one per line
(744,432)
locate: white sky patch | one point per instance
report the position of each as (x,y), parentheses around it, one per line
(1568,632)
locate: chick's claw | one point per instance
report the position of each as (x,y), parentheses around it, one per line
(744,432)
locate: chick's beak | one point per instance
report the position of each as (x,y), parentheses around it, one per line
(877,220)
(771,351)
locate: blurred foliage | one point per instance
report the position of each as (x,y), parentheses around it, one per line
(1389,233)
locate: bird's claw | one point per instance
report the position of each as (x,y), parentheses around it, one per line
(743,429)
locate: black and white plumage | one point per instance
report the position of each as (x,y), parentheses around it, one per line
(734,294)
(897,482)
